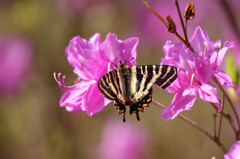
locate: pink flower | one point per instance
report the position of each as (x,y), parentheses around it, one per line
(91,60)
(122,140)
(234,151)
(195,71)
(15,59)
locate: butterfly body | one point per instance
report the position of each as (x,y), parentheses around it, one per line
(132,86)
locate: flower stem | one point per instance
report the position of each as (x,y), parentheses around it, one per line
(214,124)
(216,140)
(229,101)
(187,43)
(220,120)
(154,11)
(181,19)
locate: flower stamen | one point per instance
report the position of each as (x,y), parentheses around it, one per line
(192,80)
(205,49)
(61,82)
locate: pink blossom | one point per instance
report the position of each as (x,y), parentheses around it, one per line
(234,151)
(195,71)
(122,140)
(15,59)
(91,60)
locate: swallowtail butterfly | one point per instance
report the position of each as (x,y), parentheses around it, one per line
(132,86)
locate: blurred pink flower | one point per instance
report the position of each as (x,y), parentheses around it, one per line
(122,141)
(195,71)
(234,151)
(15,59)
(91,60)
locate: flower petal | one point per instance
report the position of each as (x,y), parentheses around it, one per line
(94,101)
(217,57)
(95,64)
(224,79)
(201,42)
(174,87)
(171,52)
(113,48)
(72,99)
(202,70)
(234,151)
(182,101)
(77,51)
(74,109)
(208,92)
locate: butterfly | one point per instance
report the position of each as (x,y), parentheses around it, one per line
(132,86)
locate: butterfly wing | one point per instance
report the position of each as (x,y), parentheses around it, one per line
(110,84)
(147,75)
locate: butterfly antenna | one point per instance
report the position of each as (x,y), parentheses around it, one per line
(117,59)
(129,60)
(111,63)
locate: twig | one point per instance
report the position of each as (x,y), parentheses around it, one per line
(220,120)
(154,11)
(214,124)
(216,140)
(181,19)
(227,116)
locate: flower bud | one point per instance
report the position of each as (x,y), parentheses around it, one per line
(171,27)
(189,12)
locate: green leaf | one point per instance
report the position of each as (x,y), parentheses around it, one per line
(231,68)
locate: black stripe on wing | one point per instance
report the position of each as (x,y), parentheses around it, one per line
(166,78)
(107,86)
(166,74)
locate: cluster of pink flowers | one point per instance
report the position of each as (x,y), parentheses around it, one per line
(91,60)
(195,71)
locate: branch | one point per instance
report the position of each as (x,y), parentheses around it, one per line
(220,121)
(227,116)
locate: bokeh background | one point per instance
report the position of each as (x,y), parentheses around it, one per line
(33,38)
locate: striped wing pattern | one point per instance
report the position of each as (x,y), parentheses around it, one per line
(146,76)
(109,85)
(132,86)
